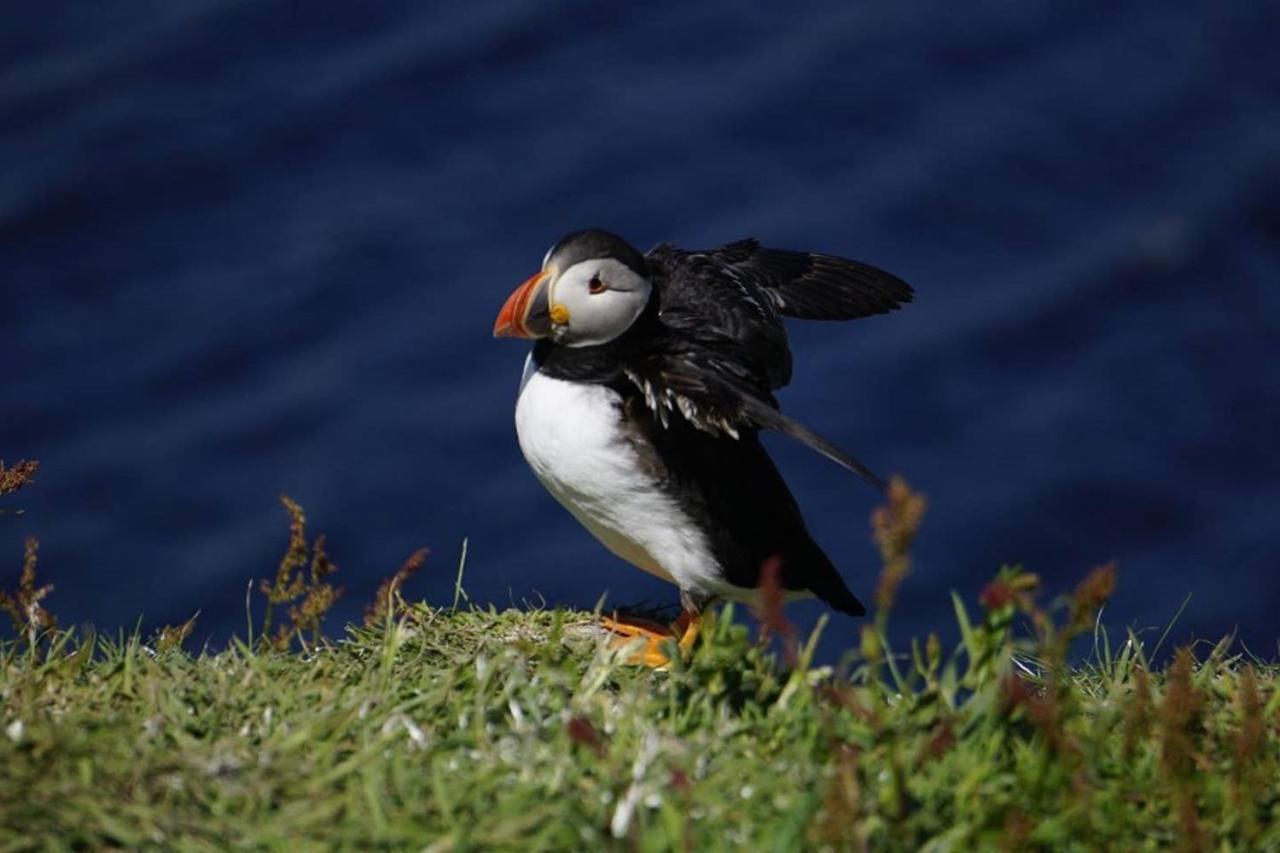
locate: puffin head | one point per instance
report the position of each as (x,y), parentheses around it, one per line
(592,287)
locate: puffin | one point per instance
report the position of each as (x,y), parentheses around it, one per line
(650,379)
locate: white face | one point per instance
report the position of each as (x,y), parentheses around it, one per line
(595,301)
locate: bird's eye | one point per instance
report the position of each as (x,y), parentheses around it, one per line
(596,285)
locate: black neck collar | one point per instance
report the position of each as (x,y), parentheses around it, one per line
(602,364)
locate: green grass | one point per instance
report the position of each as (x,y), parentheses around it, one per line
(454,729)
(467,729)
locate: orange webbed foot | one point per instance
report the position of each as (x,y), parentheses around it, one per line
(626,630)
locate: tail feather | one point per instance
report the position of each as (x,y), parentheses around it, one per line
(831,588)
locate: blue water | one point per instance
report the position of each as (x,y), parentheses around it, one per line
(252,248)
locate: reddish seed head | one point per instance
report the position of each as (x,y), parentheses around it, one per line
(773,619)
(996,595)
(1014,694)
(583,733)
(1095,589)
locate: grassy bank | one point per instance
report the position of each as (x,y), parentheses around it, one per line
(456,728)
(465,729)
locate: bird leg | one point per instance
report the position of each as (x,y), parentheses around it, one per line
(687,627)
(628,629)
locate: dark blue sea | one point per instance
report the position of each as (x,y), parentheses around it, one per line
(253,248)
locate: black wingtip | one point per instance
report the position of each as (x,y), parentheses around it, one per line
(775,420)
(830,588)
(854,607)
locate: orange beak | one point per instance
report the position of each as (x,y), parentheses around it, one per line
(525,313)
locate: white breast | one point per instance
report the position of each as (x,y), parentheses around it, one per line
(570,434)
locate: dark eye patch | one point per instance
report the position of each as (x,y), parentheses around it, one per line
(596,285)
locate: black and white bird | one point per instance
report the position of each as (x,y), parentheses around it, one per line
(643,398)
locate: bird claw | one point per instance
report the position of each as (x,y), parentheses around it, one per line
(655,635)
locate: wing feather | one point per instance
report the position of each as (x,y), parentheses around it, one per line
(723,350)
(812,286)
(713,392)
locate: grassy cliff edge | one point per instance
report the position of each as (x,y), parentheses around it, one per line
(478,729)
(463,728)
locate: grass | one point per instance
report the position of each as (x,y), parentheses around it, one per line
(462,728)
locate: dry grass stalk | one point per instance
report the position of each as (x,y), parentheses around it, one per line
(770,612)
(1180,717)
(1250,745)
(893,527)
(29,616)
(838,820)
(1018,590)
(1138,712)
(387,602)
(1090,595)
(19,475)
(1252,736)
(171,637)
(303,574)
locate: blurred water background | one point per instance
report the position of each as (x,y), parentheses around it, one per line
(252,248)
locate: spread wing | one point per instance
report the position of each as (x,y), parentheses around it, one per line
(812,286)
(805,285)
(723,349)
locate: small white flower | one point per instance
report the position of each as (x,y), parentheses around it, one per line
(15,730)
(416,735)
